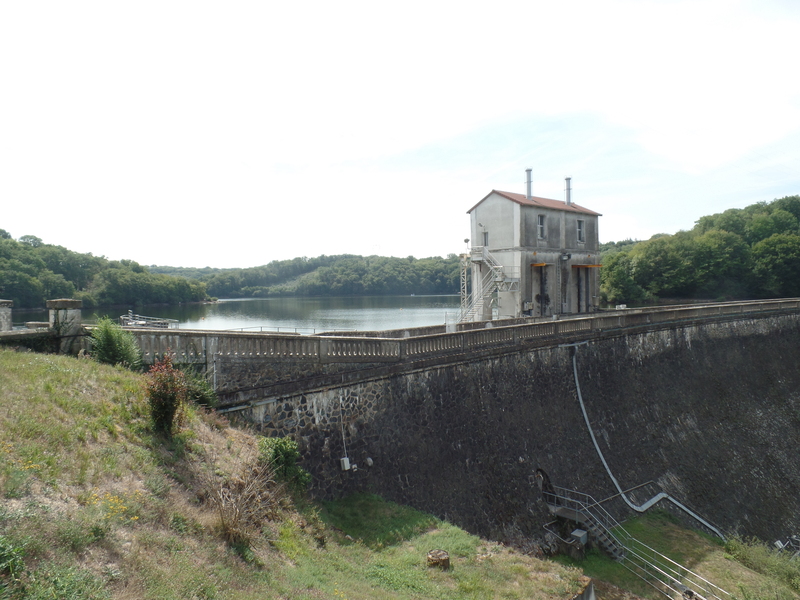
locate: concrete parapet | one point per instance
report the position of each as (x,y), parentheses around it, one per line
(65,321)
(5,315)
(248,360)
(64,303)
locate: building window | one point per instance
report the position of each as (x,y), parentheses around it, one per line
(581,231)
(540,227)
(486,238)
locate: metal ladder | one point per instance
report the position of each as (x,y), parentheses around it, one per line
(661,572)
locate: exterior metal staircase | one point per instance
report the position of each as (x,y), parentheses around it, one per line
(665,575)
(497,277)
(583,509)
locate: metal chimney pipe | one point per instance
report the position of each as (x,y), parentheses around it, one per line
(569,192)
(528,194)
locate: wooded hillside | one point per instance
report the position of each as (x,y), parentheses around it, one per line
(32,272)
(753,252)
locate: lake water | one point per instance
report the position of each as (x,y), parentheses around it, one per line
(304,315)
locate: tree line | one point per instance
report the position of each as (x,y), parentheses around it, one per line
(341,275)
(32,272)
(752,252)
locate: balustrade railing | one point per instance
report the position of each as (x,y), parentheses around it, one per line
(196,346)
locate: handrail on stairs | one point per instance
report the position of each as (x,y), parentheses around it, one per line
(494,278)
(642,560)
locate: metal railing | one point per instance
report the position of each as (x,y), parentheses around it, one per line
(497,277)
(132,320)
(659,571)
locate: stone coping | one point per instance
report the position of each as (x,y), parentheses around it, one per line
(64,303)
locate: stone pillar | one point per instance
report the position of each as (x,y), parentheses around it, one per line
(5,314)
(65,321)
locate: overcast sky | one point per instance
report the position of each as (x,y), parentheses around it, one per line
(230,134)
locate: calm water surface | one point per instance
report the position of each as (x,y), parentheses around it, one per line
(305,315)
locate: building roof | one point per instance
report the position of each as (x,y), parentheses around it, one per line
(539,202)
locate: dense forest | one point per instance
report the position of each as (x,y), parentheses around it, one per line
(753,252)
(32,272)
(343,275)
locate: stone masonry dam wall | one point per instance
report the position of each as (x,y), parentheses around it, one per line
(711,413)
(706,410)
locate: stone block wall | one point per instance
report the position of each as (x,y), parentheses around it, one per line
(710,413)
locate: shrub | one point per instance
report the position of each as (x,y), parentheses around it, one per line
(282,454)
(763,559)
(199,390)
(112,345)
(167,392)
(245,502)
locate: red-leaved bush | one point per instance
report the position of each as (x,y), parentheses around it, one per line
(167,392)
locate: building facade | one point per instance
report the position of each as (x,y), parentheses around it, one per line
(530,256)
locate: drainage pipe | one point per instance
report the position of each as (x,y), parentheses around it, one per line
(655,499)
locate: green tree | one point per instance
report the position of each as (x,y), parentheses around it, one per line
(790,204)
(31,240)
(662,266)
(721,264)
(776,264)
(733,220)
(617,285)
(764,225)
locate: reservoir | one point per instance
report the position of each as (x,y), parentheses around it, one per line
(300,315)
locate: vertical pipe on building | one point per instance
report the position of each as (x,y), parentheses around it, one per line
(528,193)
(569,191)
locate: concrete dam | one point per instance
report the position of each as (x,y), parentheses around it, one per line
(699,402)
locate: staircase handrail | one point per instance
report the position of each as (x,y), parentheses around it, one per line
(636,552)
(672,577)
(474,300)
(589,503)
(495,274)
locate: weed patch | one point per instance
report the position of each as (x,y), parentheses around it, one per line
(765,560)
(65,583)
(113,345)
(376,522)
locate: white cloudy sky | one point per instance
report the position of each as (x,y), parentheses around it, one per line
(230,134)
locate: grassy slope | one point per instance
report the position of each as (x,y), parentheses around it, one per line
(97,507)
(703,554)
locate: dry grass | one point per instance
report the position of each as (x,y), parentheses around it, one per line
(103,508)
(246,501)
